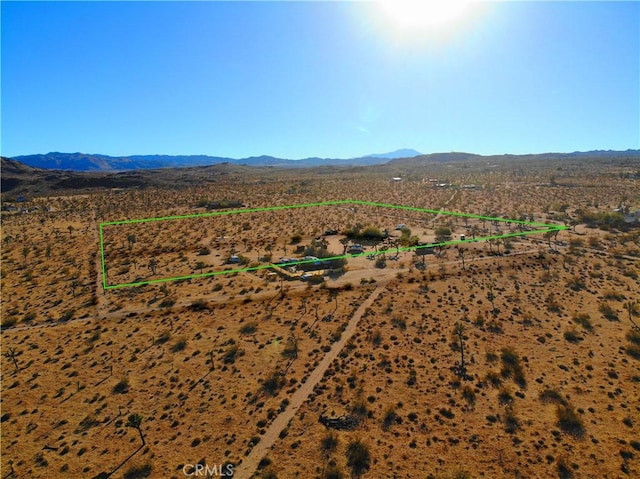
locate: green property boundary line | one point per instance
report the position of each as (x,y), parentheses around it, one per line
(544,229)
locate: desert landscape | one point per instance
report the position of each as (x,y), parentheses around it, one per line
(509,357)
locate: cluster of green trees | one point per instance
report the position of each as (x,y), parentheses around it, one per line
(605,220)
(369,233)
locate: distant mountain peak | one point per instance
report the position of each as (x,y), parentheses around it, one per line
(392,155)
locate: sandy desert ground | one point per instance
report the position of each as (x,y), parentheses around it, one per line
(515,358)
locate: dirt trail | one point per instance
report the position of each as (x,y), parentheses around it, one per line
(250,463)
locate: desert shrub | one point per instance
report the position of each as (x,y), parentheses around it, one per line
(389,417)
(399,323)
(358,457)
(469,395)
(164,337)
(552,396)
(329,443)
(179,345)
(68,315)
(511,421)
(9,321)
(290,351)
(381,262)
(273,383)
(359,407)
(122,387)
(614,295)
(552,304)
(572,336)
(269,473)
(583,320)
(511,366)
(167,303)
(494,326)
(85,424)
(564,469)
(568,420)
(633,350)
(138,472)
(504,396)
(491,357)
(576,283)
(493,378)
(633,336)
(332,472)
(231,354)
(199,305)
(249,328)
(608,312)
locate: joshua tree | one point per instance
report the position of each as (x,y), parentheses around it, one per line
(74,285)
(548,235)
(153,265)
(134,421)
(491,296)
(11,354)
(344,242)
(458,331)
(461,252)
(131,239)
(630,306)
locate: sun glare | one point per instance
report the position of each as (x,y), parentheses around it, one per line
(424,14)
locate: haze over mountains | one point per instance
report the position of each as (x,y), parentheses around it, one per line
(98,162)
(105,163)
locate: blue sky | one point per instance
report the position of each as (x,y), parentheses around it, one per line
(328,79)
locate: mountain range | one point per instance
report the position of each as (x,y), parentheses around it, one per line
(63,171)
(97,162)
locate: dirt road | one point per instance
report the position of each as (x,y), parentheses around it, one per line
(250,463)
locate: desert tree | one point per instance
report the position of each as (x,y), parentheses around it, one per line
(631,307)
(11,355)
(491,295)
(74,285)
(548,235)
(333,294)
(25,253)
(135,421)
(153,265)
(461,252)
(131,239)
(345,243)
(458,331)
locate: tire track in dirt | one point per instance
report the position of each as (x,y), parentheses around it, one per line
(250,463)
